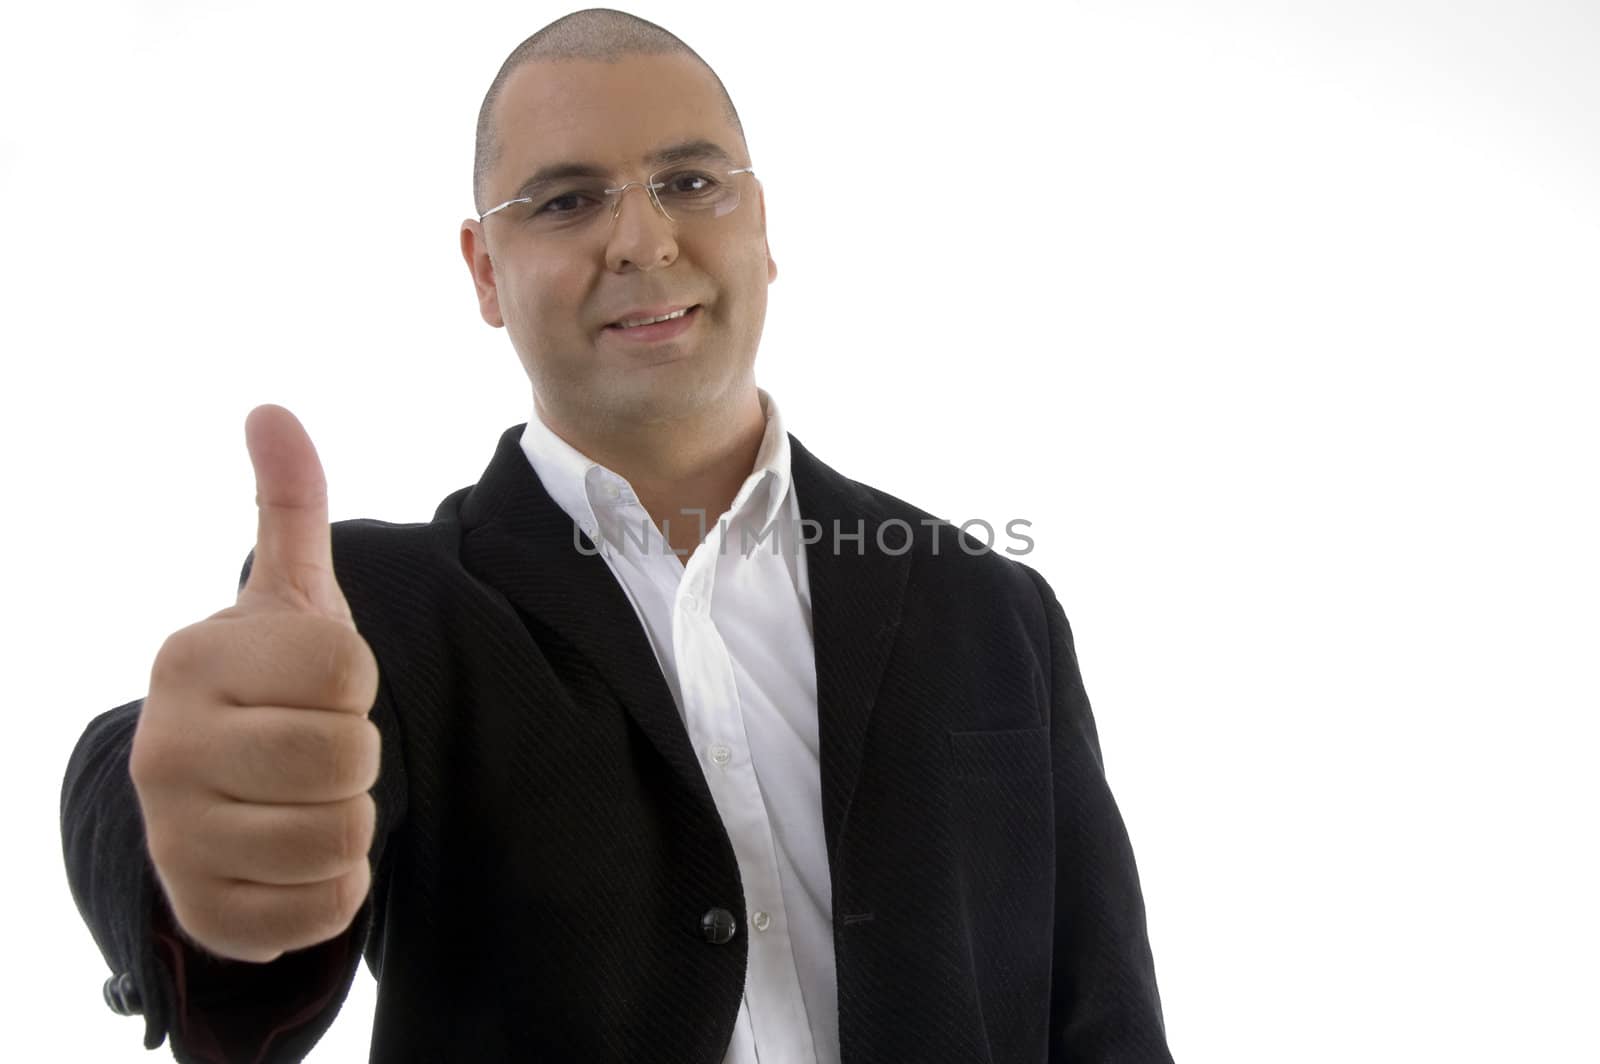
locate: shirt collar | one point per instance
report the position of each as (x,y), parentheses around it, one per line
(576,482)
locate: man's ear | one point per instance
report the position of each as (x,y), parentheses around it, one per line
(475,249)
(772,267)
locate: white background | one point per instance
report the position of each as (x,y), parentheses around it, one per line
(1278,321)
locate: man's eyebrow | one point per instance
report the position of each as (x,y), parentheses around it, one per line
(698,148)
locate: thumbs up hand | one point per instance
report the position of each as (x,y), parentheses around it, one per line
(253,754)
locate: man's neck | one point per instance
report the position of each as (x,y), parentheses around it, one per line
(685,473)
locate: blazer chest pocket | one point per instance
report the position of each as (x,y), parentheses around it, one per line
(1011,754)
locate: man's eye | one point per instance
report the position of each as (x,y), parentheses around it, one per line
(692,183)
(567,203)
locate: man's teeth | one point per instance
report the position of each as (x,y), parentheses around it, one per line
(652,321)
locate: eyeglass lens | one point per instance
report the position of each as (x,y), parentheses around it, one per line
(687,193)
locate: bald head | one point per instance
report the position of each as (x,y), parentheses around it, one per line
(597,34)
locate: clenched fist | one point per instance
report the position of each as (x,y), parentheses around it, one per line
(253,754)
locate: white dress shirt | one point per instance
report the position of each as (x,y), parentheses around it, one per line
(731,629)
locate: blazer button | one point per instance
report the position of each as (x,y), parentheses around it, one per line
(717,926)
(122,995)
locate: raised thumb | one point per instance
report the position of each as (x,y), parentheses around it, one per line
(294,549)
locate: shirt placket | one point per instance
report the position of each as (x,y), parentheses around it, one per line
(716,726)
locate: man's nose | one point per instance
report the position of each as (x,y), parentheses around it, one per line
(641,233)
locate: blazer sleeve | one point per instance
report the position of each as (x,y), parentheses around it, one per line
(1104,1005)
(217,1011)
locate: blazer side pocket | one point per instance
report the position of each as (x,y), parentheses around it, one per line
(1010,754)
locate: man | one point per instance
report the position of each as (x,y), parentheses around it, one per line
(584,776)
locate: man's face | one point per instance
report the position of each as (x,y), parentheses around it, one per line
(556,298)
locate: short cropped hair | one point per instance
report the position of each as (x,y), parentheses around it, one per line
(597,33)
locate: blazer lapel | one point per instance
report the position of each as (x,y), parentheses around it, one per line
(857,595)
(519,541)
(522,543)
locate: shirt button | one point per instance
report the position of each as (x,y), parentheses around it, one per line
(761,921)
(609,490)
(691,604)
(721,754)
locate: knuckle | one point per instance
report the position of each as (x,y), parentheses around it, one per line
(145,761)
(204,915)
(348,671)
(360,823)
(188,917)
(347,755)
(178,659)
(170,856)
(349,894)
(338,668)
(329,907)
(157,756)
(347,833)
(371,749)
(166,850)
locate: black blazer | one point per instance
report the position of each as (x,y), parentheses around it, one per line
(552,881)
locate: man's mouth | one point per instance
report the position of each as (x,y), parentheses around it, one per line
(639,323)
